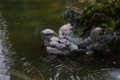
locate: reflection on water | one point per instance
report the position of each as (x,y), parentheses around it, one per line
(3,70)
(22,55)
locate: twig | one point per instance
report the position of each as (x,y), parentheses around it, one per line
(28,65)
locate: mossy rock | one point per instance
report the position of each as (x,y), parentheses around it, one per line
(99,17)
(117,10)
(103,14)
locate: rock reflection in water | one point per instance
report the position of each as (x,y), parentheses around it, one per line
(3,69)
(6,73)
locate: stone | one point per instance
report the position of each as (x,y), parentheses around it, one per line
(73,16)
(47,31)
(65,30)
(85,42)
(95,34)
(51,50)
(72,47)
(54,39)
(70,13)
(53,43)
(76,41)
(117,24)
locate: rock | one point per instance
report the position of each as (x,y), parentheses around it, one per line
(106,45)
(85,43)
(75,41)
(89,53)
(117,9)
(60,46)
(54,39)
(47,31)
(111,40)
(77,52)
(89,47)
(103,39)
(72,48)
(117,33)
(46,42)
(117,24)
(98,17)
(65,30)
(51,50)
(88,56)
(63,41)
(70,14)
(102,51)
(98,47)
(115,47)
(101,43)
(88,41)
(46,35)
(100,14)
(95,34)
(73,16)
(53,43)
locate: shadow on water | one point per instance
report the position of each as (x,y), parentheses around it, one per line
(22,54)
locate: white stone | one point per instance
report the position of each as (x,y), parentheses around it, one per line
(65,30)
(48,31)
(54,39)
(95,33)
(73,47)
(54,43)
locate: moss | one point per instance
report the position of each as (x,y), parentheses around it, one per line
(103,13)
(82,37)
(104,25)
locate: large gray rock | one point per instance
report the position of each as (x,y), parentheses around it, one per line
(85,42)
(73,16)
(70,14)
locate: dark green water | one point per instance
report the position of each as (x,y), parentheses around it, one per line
(22,55)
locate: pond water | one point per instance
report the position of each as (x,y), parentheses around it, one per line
(22,54)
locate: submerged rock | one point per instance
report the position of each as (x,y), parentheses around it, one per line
(51,50)
(88,57)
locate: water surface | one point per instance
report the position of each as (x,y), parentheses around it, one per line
(22,54)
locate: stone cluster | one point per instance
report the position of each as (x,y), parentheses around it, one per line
(100,41)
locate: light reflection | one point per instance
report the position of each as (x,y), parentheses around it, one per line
(6,72)
(3,72)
